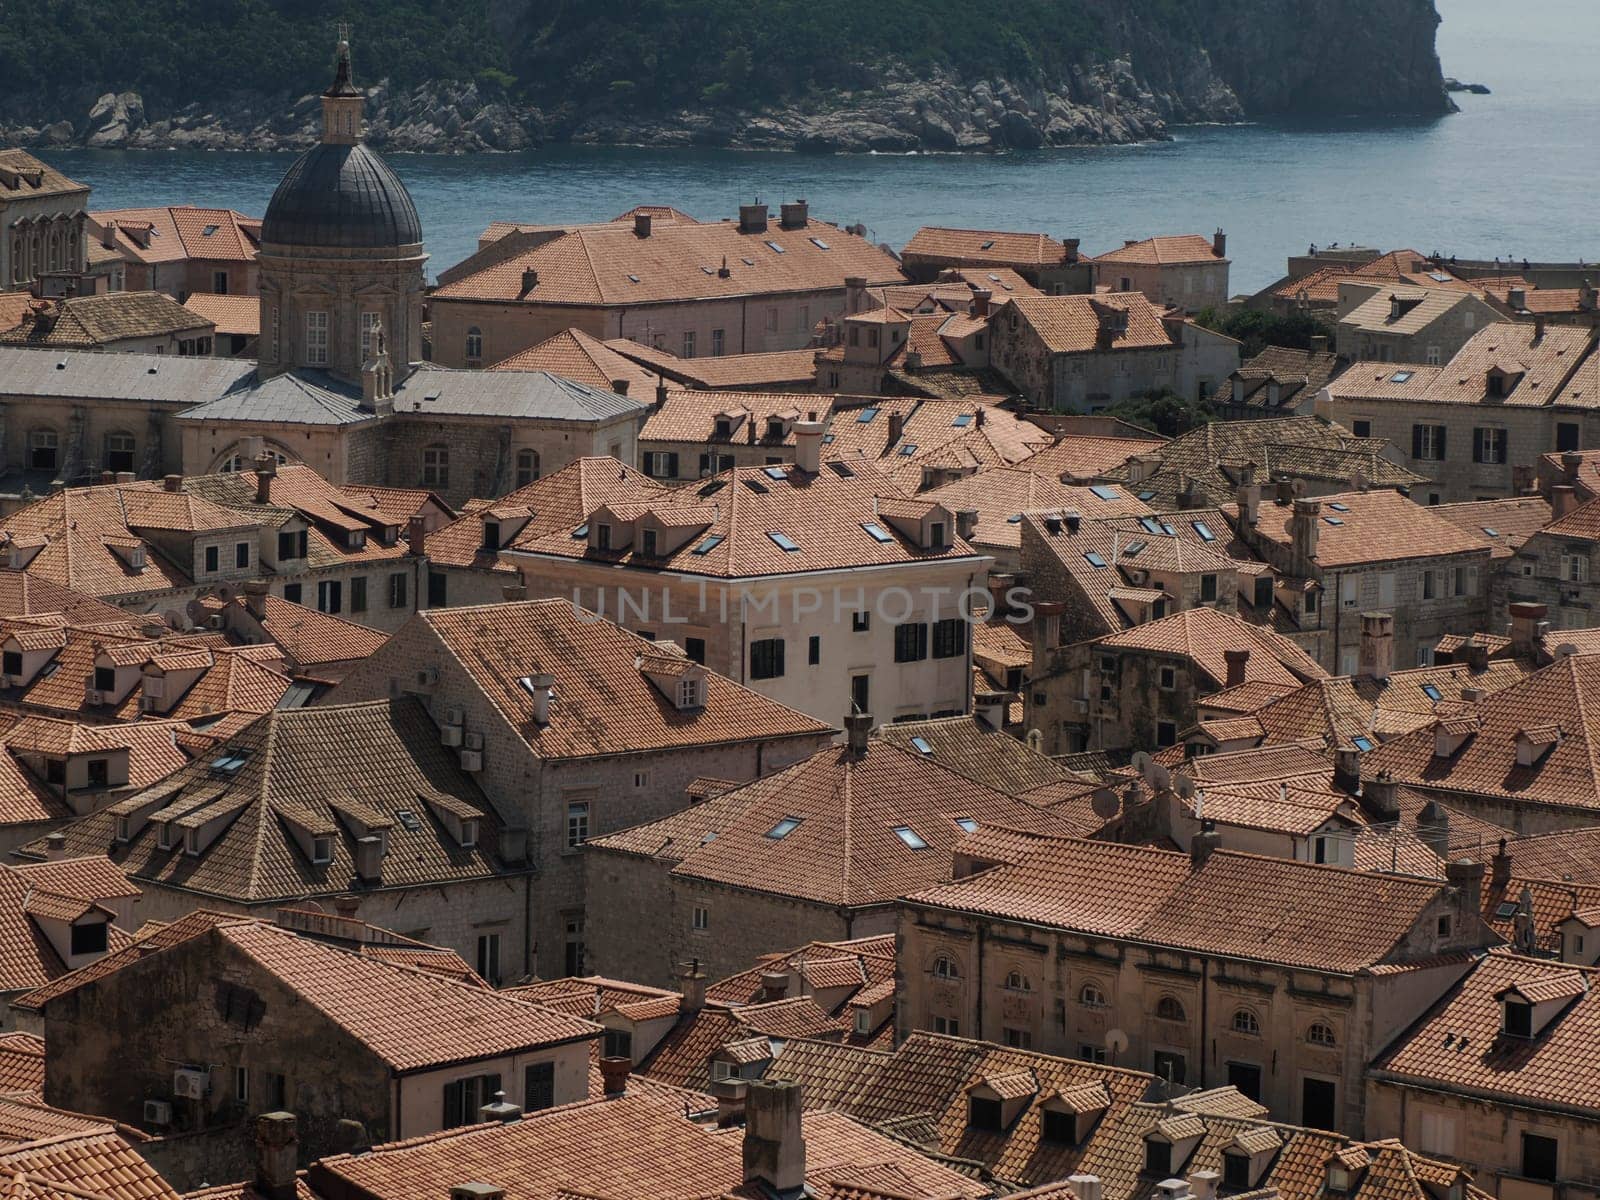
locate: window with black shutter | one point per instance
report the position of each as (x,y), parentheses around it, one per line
(949,638)
(766,659)
(910,642)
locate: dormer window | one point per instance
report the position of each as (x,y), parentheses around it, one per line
(1338,1178)
(191,842)
(690,693)
(469,834)
(1235,1172)
(88,938)
(649,543)
(724,427)
(602,537)
(105,679)
(936,534)
(491,535)
(775,428)
(321,850)
(164,835)
(357,539)
(1518,1019)
(1158,1158)
(1058,1126)
(124,829)
(984,1113)
(11,662)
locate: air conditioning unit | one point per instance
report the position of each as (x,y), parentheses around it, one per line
(157,1112)
(1138,577)
(450,735)
(472,760)
(453,715)
(473,741)
(214,621)
(189,1084)
(1081,707)
(428,677)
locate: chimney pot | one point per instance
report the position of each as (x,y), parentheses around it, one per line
(980,302)
(55,846)
(1238,661)
(500,1109)
(1219,244)
(614,1072)
(530,280)
(774,984)
(417,536)
(1376,652)
(1204,844)
(541,686)
(808,445)
(858,729)
(173,483)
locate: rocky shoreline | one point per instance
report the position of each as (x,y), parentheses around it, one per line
(1102,104)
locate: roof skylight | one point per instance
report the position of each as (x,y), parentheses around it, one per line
(783,541)
(910,837)
(784,828)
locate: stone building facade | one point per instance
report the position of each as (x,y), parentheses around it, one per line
(41,222)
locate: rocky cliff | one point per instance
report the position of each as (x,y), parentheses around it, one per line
(1102,71)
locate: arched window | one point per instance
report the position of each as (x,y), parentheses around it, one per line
(119,451)
(1244,1021)
(1092,996)
(1321,1035)
(42,447)
(55,251)
(436,466)
(238,462)
(1016,981)
(19,268)
(527,467)
(945,968)
(474,347)
(1168,1009)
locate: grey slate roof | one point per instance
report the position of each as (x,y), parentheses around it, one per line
(91,375)
(538,394)
(342,196)
(293,398)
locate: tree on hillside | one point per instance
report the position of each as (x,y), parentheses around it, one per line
(1164,411)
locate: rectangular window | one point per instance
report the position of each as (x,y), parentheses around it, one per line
(1430,585)
(330,596)
(489,956)
(860,622)
(1246,1077)
(1018,1039)
(213,558)
(1092,1053)
(241,555)
(1488,445)
(1575,568)
(702,918)
(1386,589)
(718,341)
(948,1026)
(273,337)
(1567,436)
(766,659)
(105,679)
(814,651)
(985,1114)
(464,1097)
(241,1085)
(316,339)
(949,638)
(1166,733)
(539,1086)
(910,642)
(369,322)
(1361,428)
(695,649)
(88,939)
(860,693)
(1428,443)
(688,343)
(397,589)
(1438,1134)
(1208,587)
(1168,678)
(292,544)
(576,948)
(618,1043)
(99,773)
(437,589)
(1158,1159)
(577,823)
(1538,1156)
(292,593)
(277,1089)
(358,594)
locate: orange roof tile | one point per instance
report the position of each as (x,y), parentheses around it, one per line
(1163,251)
(981,246)
(1073,324)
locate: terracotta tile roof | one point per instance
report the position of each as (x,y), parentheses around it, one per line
(737,511)
(1571,856)
(604,704)
(766,369)
(239,315)
(296,765)
(27,957)
(1374,527)
(1547,301)
(1418,309)
(93,877)
(1002,282)
(90,322)
(25,1117)
(857,967)
(1506,524)
(23,594)
(1321,287)
(1072,324)
(1459,1046)
(23,176)
(933,434)
(1299,374)
(1539,369)
(97,1162)
(1202,635)
(968,747)
(598,266)
(691,416)
(985,246)
(156,235)
(576,355)
(844,850)
(999,494)
(21,1062)
(1239,905)
(306,637)
(1164,251)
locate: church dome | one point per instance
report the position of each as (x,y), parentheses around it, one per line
(341,196)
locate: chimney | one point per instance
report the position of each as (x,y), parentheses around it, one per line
(514,591)
(1319,343)
(1070,255)
(1526,619)
(1377,645)
(1046,626)
(473,1190)
(173,483)
(1563,500)
(1382,796)
(1087,1187)
(541,687)
(793,215)
(1500,866)
(255,598)
(1517,298)
(1538,328)
(55,846)
(808,444)
(107,477)
(530,280)
(1219,244)
(417,536)
(1248,498)
(913,360)
(774,1149)
(277,1152)
(999,583)
(1433,827)
(1304,529)
(855,289)
(502,1110)
(897,424)
(1203,1184)
(1467,876)
(661,391)
(774,985)
(641,224)
(619,386)
(966,522)
(1571,464)
(692,985)
(614,1072)
(1238,660)
(857,729)
(108,235)
(266,472)
(1204,844)
(752,218)
(980,302)
(1588,297)
(990,708)
(1476,655)
(1347,770)
(369,859)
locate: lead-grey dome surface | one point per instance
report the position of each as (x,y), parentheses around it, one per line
(341,196)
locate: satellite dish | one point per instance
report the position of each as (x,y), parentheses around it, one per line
(1566,650)
(1104,804)
(1160,777)
(1140,762)
(1183,785)
(1116,1043)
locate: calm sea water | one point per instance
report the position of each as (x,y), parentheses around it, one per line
(1513,174)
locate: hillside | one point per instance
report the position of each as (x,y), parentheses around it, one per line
(893,74)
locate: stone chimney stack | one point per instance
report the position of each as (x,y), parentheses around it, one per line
(1563,500)
(990,708)
(55,846)
(277,1153)
(1382,796)
(1046,627)
(1500,866)
(254,592)
(858,730)
(808,444)
(641,224)
(966,522)
(619,386)
(1204,844)
(266,472)
(1527,626)
(1219,244)
(774,1148)
(692,986)
(980,302)
(855,294)
(753,218)
(417,536)
(500,1109)
(369,859)
(1467,877)
(1433,827)
(1377,645)
(1304,528)
(1238,661)
(794,215)
(1069,252)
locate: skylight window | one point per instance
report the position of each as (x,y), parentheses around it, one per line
(820,244)
(866,416)
(774,473)
(712,487)
(1400,377)
(755,485)
(784,828)
(633,279)
(408,820)
(876,532)
(775,248)
(1147,495)
(1203,530)
(1438,277)
(1334,520)
(1431,692)
(711,543)
(1339,507)
(1150,524)
(908,449)
(581,532)
(208,231)
(910,837)
(1104,491)
(1094,560)
(967,824)
(709,270)
(230,762)
(1505,910)
(1362,744)
(783,541)
(1134,547)
(1168,530)
(989,245)
(842,470)
(993,278)
(1014,519)
(921,745)
(1492,532)
(962,421)
(749,262)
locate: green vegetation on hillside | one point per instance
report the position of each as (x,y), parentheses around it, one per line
(1163,411)
(1256,328)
